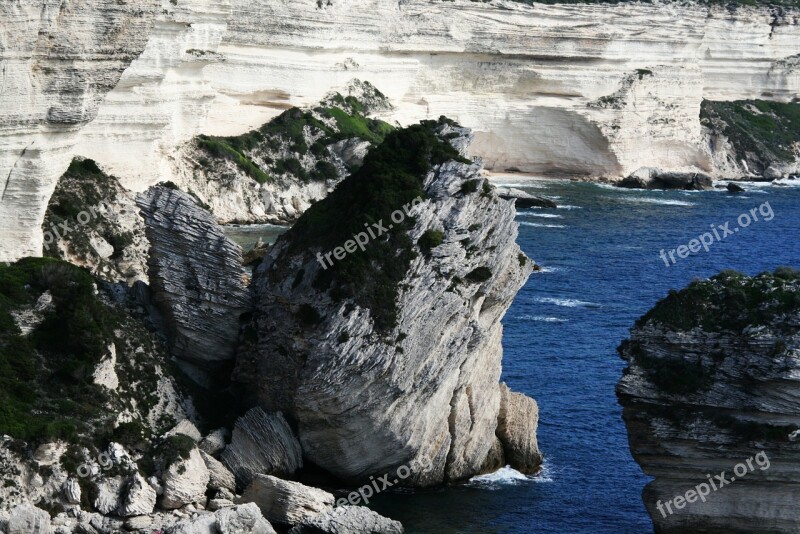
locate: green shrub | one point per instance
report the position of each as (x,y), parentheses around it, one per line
(391,177)
(470,186)
(430,240)
(479,275)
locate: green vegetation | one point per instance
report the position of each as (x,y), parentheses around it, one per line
(470,186)
(767,130)
(479,275)
(729,301)
(226,149)
(430,240)
(46,387)
(174,449)
(76,202)
(289,132)
(390,178)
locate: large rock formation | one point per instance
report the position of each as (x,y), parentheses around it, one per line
(400,342)
(196,276)
(713,386)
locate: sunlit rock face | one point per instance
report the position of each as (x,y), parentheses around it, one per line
(58,61)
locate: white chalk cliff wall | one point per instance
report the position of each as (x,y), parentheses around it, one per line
(578,89)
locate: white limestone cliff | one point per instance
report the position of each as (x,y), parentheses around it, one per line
(527,79)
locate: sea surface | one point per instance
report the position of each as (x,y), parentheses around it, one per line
(601,271)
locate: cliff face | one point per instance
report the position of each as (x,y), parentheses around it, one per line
(573,87)
(712,381)
(59,59)
(391,356)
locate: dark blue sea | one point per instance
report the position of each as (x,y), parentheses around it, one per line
(601,271)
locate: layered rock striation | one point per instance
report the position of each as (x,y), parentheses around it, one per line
(197,278)
(388,357)
(712,382)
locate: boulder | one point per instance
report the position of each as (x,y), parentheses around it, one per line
(286,502)
(140,498)
(524,199)
(348,520)
(109,494)
(242,519)
(516,429)
(185,428)
(215,442)
(653,178)
(734,188)
(219,475)
(262,443)
(185,482)
(27,519)
(72,491)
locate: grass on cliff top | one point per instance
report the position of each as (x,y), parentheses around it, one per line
(288,129)
(392,176)
(769,133)
(46,385)
(729,301)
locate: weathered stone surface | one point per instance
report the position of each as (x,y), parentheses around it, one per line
(712,383)
(72,491)
(242,519)
(196,276)
(517,422)
(425,391)
(215,442)
(109,494)
(219,475)
(262,443)
(185,482)
(27,519)
(286,502)
(140,498)
(185,428)
(348,520)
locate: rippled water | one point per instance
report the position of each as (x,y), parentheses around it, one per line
(601,271)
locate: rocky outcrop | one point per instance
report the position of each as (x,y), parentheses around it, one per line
(275,172)
(523,199)
(27,519)
(196,275)
(185,482)
(711,389)
(243,519)
(402,341)
(651,178)
(517,422)
(219,475)
(262,443)
(140,498)
(282,501)
(348,520)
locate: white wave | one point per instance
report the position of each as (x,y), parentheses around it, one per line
(541,225)
(567,303)
(660,201)
(519,185)
(548,270)
(542,215)
(507,476)
(540,318)
(568,207)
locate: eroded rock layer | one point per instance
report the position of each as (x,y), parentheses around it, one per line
(712,387)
